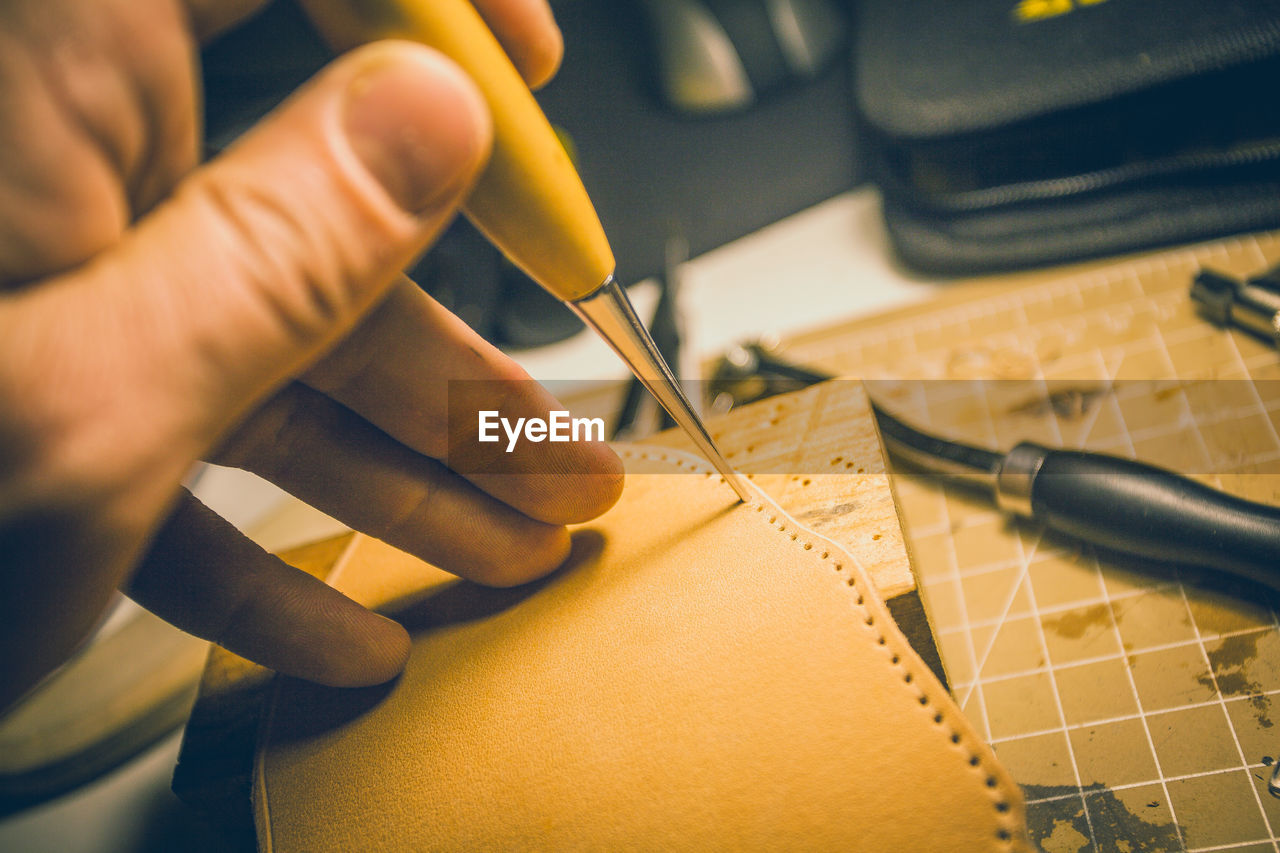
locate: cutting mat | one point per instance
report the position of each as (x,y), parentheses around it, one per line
(1135,702)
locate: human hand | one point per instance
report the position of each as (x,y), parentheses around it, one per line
(249,311)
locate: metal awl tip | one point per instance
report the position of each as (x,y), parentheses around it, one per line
(609,312)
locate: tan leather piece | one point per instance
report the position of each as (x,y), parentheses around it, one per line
(702,675)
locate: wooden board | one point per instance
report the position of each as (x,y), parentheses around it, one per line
(817,452)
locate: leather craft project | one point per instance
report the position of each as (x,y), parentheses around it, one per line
(701,675)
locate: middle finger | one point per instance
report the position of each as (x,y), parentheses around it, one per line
(331,458)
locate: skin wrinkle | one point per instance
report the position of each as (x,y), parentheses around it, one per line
(165,145)
(355,372)
(174,140)
(129,117)
(265,430)
(526,549)
(306,423)
(394,526)
(94,94)
(264,225)
(253,227)
(310,424)
(64,219)
(266,234)
(57,63)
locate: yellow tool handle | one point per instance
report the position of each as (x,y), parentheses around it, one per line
(530,201)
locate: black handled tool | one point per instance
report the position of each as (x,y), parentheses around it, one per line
(1117,503)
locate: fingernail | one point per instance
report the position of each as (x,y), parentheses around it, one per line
(418,126)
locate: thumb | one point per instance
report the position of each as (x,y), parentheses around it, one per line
(264,257)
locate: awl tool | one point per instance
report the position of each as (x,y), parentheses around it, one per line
(530,201)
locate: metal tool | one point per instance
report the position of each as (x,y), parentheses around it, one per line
(752,371)
(529,201)
(1252,305)
(1118,503)
(639,415)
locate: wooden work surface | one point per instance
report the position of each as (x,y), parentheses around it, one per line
(1135,702)
(816,452)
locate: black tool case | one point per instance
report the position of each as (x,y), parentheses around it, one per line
(1005,134)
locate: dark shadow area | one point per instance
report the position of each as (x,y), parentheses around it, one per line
(305,710)
(171,825)
(462,601)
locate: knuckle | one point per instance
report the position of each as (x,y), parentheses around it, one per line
(278,256)
(300,248)
(402,516)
